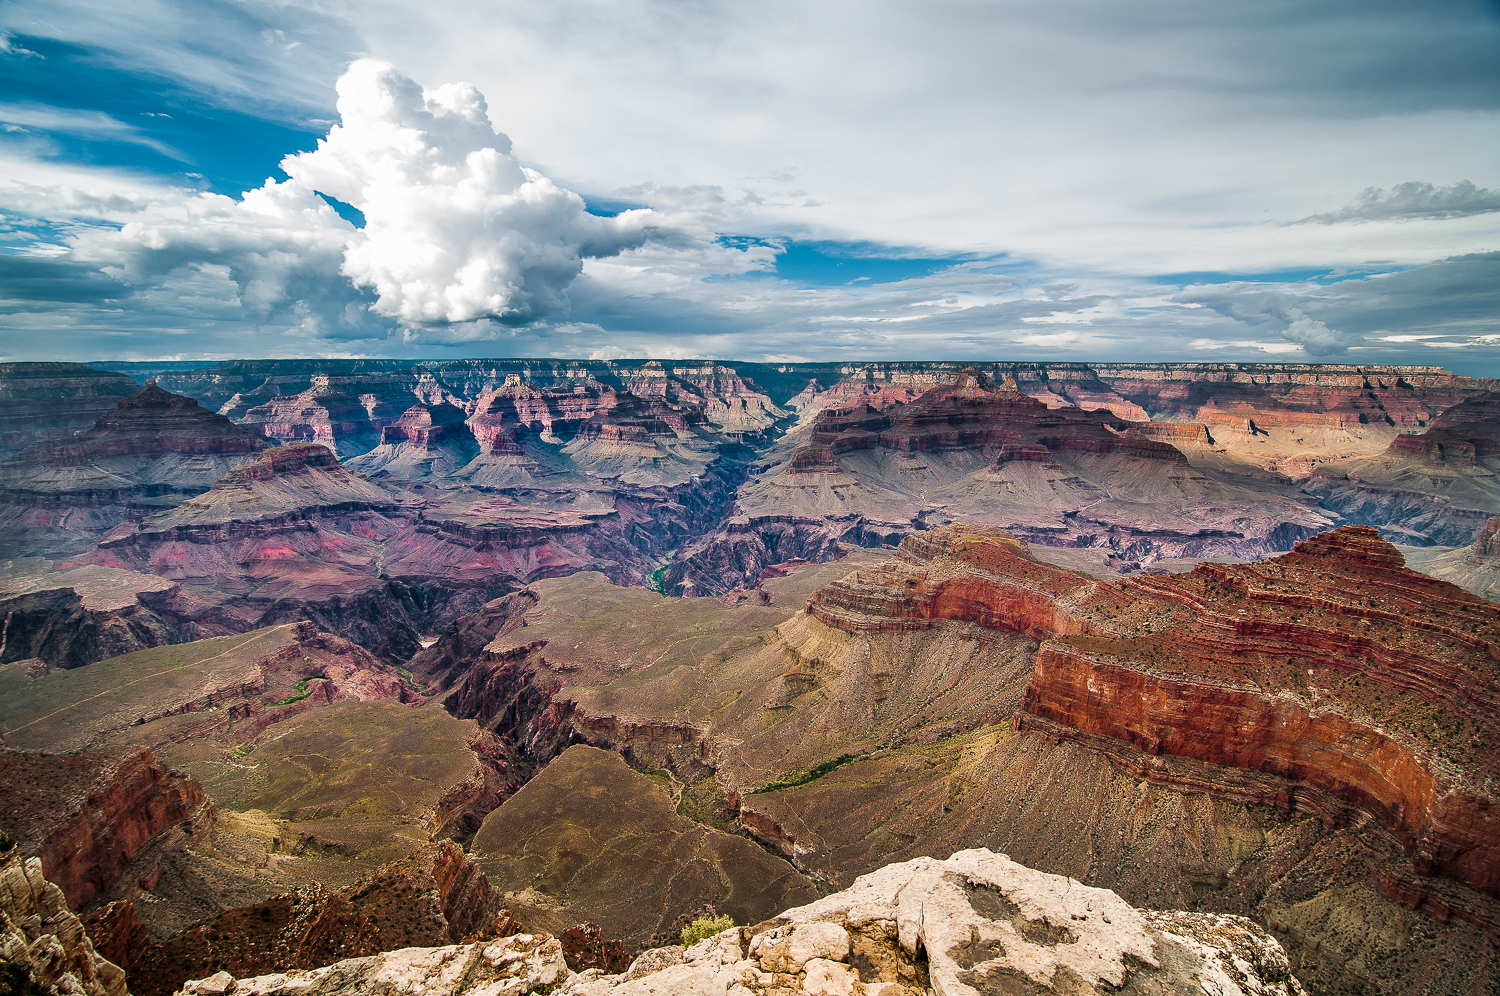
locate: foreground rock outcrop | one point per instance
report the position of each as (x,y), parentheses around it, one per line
(43,946)
(975,923)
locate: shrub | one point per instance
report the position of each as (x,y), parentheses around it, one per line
(705,927)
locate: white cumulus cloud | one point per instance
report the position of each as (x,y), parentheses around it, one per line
(455,228)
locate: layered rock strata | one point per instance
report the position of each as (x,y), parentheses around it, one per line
(54,400)
(1436,487)
(972,450)
(151,442)
(1367,690)
(43,946)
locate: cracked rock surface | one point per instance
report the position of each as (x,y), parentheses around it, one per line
(975,924)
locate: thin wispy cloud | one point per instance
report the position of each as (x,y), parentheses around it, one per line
(15,118)
(1414,200)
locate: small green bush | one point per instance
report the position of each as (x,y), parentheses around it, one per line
(5,842)
(705,927)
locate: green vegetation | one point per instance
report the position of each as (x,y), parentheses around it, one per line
(811,774)
(704,927)
(6,843)
(655,580)
(303,691)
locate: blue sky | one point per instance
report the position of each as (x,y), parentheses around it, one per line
(1302,181)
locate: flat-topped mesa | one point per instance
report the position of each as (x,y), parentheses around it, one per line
(1356,684)
(1172,432)
(285,460)
(1023,453)
(150,439)
(814,459)
(972,413)
(425,426)
(54,400)
(298,478)
(973,574)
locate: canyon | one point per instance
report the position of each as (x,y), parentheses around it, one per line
(308,661)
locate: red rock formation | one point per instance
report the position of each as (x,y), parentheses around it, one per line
(1460,434)
(1333,666)
(86,815)
(974,574)
(1365,687)
(814,459)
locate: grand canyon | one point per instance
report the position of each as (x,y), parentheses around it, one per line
(505,676)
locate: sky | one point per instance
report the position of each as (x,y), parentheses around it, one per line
(1070,180)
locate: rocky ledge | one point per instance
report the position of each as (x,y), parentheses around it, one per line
(975,923)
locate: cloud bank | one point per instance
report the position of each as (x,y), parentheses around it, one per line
(456,230)
(1414,200)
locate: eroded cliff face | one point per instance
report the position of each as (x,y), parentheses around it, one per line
(1361,686)
(43,946)
(86,815)
(435,897)
(54,400)
(1432,487)
(869,469)
(60,628)
(151,442)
